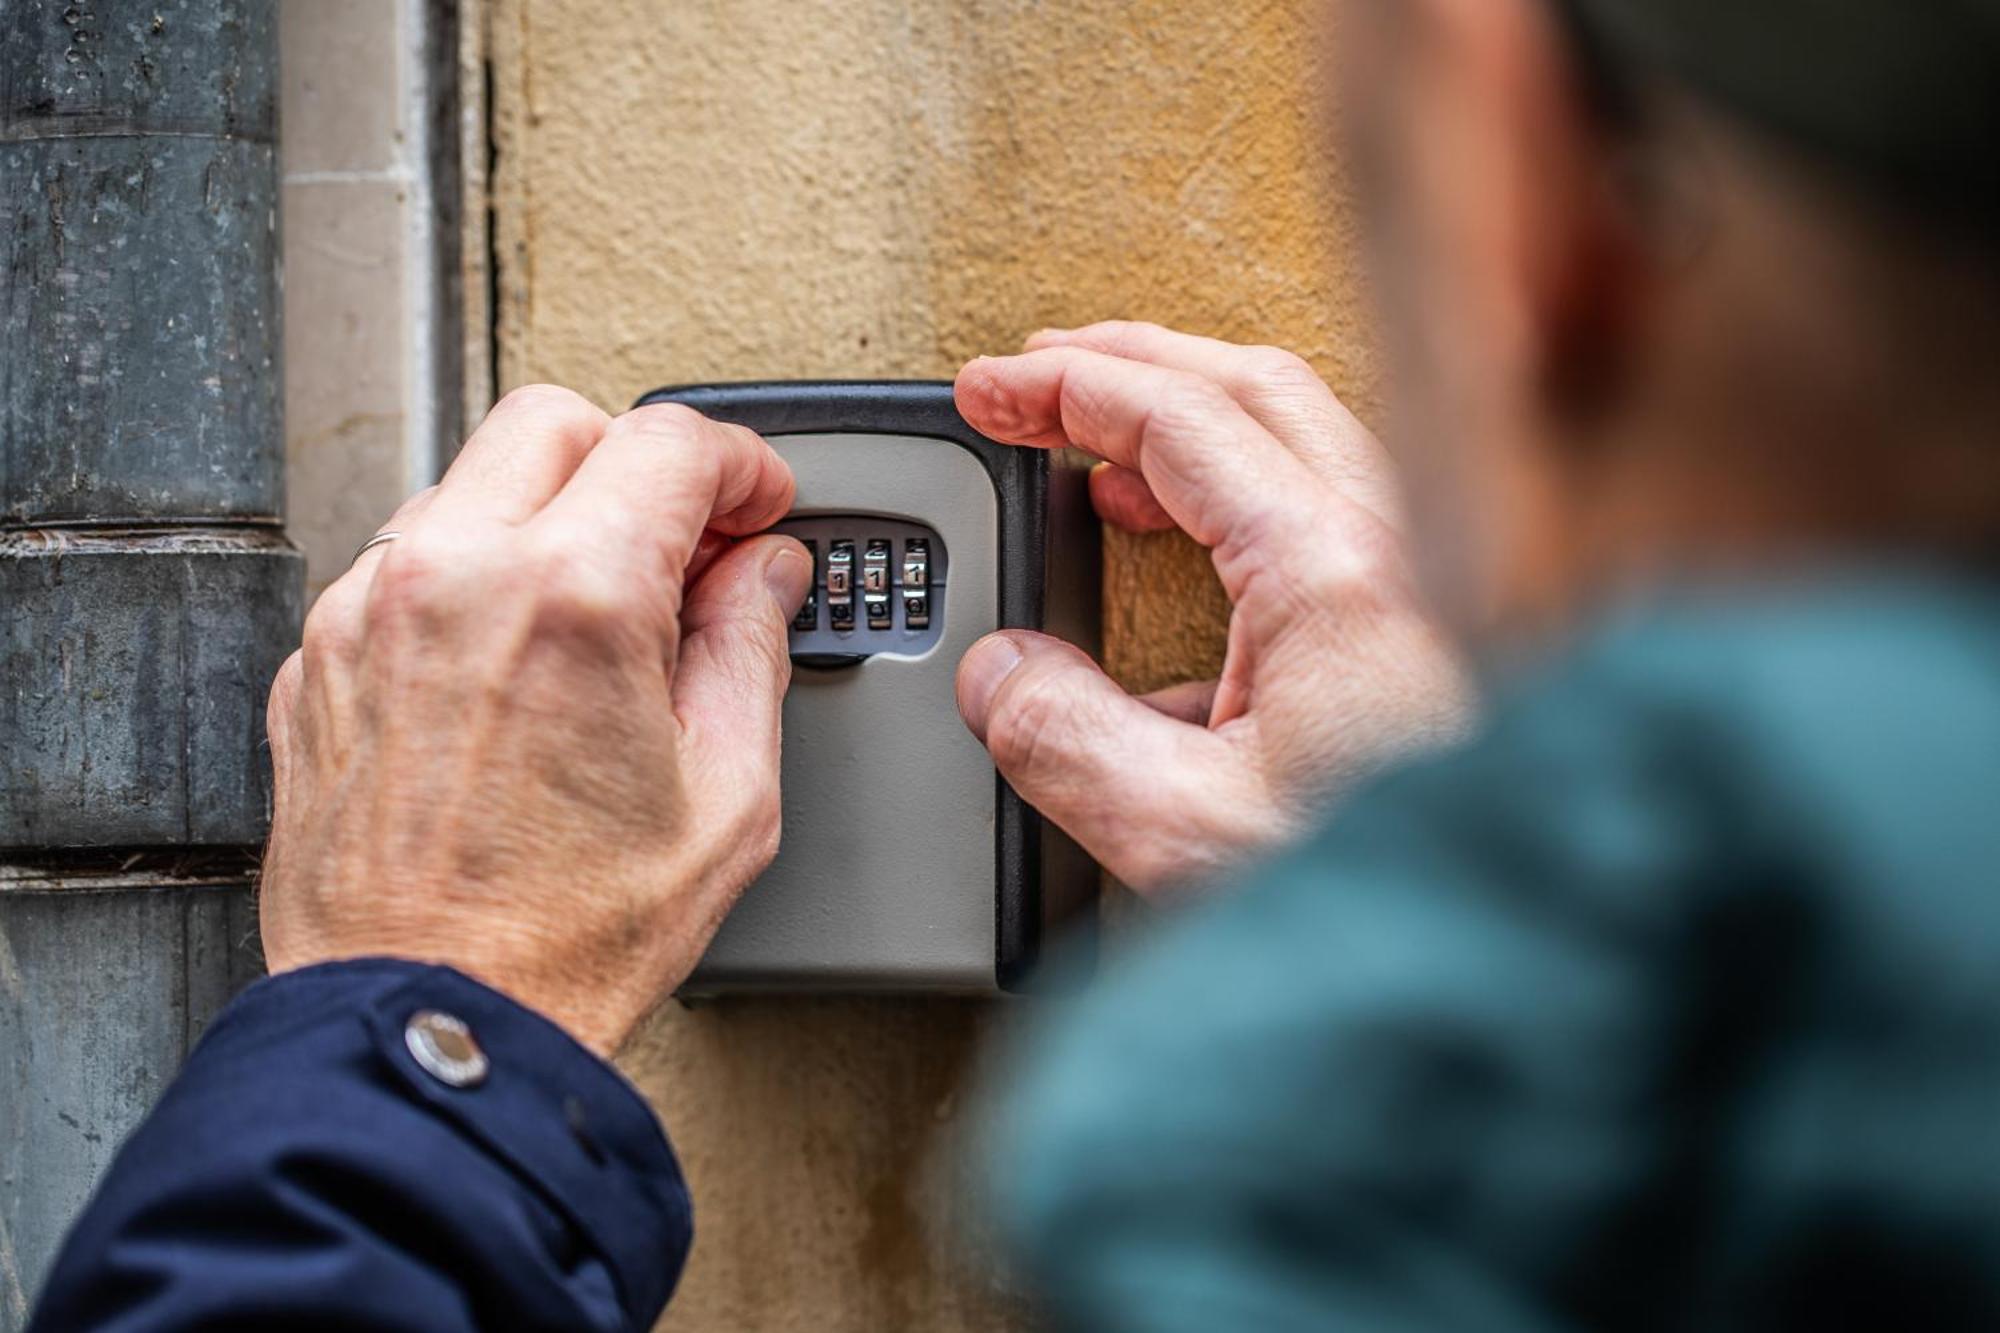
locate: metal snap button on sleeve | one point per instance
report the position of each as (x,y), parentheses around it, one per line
(446,1049)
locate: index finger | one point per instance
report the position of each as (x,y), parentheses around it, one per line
(662,476)
(527,447)
(1222,477)
(1280,391)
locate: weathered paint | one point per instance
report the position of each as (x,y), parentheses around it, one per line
(139,379)
(103,990)
(139,391)
(135,669)
(146,595)
(720,189)
(122,67)
(146,270)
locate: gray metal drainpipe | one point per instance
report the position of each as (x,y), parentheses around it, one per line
(147,592)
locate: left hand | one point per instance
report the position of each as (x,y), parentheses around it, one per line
(536,737)
(1334,664)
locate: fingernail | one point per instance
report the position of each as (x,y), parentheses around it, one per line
(789,576)
(985,666)
(1041,336)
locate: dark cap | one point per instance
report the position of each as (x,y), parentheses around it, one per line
(1904,94)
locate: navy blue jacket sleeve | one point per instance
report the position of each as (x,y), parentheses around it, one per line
(305,1171)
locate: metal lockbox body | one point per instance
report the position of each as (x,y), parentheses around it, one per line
(906,863)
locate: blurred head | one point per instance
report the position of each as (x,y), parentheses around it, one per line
(1679,288)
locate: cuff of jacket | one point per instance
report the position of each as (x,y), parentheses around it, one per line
(564,1120)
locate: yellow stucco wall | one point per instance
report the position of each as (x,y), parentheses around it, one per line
(725,189)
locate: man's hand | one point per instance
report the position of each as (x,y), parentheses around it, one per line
(1332,665)
(536,738)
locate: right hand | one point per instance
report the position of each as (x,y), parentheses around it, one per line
(1333,666)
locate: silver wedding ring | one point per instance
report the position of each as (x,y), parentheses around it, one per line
(373,542)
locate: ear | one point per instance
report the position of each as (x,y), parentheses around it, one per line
(1576,260)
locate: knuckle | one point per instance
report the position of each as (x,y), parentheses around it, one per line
(1190,401)
(1123,336)
(671,421)
(764,818)
(761,840)
(1031,718)
(1274,369)
(684,443)
(410,574)
(284,696)
(331,632)
(1356,574)
(1366,564)
(544,400)
(751,832)
(581,597)
(423,578)
(769,656)
(1145,865)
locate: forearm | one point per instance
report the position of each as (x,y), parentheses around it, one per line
(305,1163)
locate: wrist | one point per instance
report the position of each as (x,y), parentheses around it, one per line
(599,1014)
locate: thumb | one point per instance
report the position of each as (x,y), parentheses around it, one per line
(1156,800)
(735,663)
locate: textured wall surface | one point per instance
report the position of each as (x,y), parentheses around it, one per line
(726,189)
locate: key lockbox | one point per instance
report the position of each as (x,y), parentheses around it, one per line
(906,863)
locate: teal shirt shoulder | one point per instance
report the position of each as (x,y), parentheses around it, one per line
(1672,1001)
